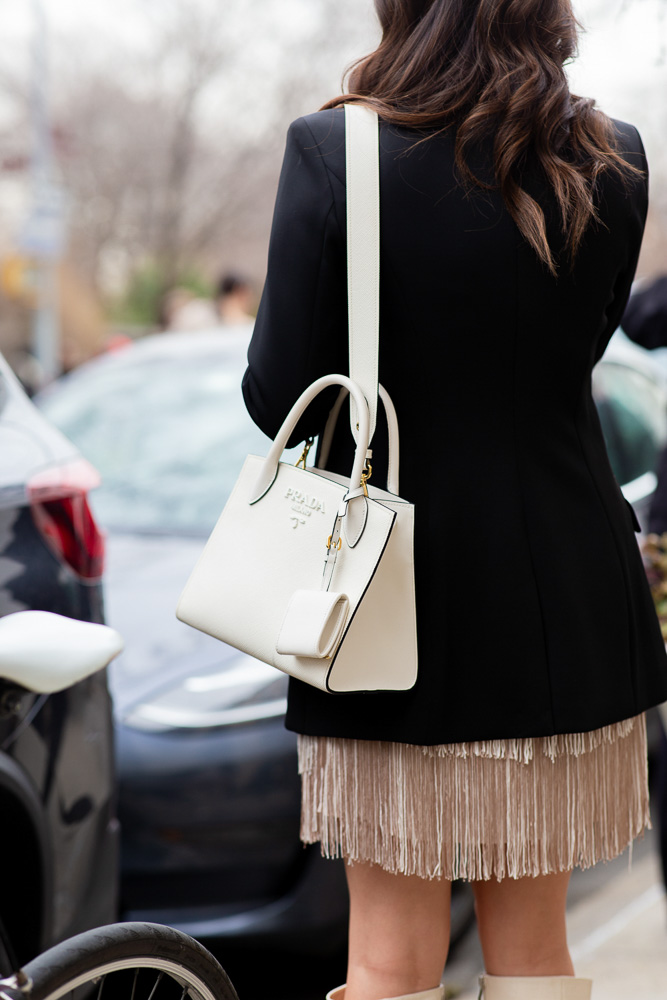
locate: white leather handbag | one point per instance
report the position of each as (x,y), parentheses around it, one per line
(305,569)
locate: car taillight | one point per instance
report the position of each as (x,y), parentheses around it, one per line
(58,499)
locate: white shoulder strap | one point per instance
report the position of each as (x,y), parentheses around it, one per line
(362,164)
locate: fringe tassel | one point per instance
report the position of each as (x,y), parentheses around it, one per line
(572,744)
(496,809)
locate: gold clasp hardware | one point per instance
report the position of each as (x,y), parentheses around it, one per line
(304,454)
(365,476)
(338,543)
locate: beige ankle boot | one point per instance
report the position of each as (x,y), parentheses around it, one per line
(534,988)
(438,993)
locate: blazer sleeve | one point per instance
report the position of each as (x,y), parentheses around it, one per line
(301,328)
(636,198)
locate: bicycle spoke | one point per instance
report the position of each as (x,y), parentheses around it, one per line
(157,983)
(134,984)
(101,987)
(184,993)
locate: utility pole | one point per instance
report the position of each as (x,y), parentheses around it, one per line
(43,234)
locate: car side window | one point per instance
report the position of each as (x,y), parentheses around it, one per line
(631,410)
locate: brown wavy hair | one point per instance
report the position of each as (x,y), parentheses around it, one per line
(495,67)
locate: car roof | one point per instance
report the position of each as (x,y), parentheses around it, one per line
(219,341)
(226,345)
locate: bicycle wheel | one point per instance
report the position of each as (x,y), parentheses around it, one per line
(131,961)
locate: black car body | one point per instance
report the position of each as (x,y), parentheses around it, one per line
(209,791)
(59,832)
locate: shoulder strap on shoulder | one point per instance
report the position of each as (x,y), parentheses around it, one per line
(362,165)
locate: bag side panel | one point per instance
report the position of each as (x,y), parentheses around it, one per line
(381,643)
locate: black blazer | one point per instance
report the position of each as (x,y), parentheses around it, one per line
(534,616)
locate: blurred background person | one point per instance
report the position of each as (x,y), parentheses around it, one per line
(235,300)
(183,310)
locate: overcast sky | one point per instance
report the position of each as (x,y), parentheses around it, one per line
(624,50)
(623,61)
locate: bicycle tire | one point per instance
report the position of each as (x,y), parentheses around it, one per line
(166,955)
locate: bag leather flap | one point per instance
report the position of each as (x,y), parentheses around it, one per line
(313,623)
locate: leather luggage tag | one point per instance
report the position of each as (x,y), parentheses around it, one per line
(313,624)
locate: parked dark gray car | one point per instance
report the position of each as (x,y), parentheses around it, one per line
(209,792)
(59,832)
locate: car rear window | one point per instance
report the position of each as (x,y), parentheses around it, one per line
(168,435)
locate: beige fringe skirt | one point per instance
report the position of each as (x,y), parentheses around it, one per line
(477,810)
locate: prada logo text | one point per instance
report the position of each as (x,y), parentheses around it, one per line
(304,505)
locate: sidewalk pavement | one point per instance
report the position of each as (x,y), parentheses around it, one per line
(617,936)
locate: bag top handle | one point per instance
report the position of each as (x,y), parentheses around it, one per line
(392,425)
(362,166)
(269,468)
